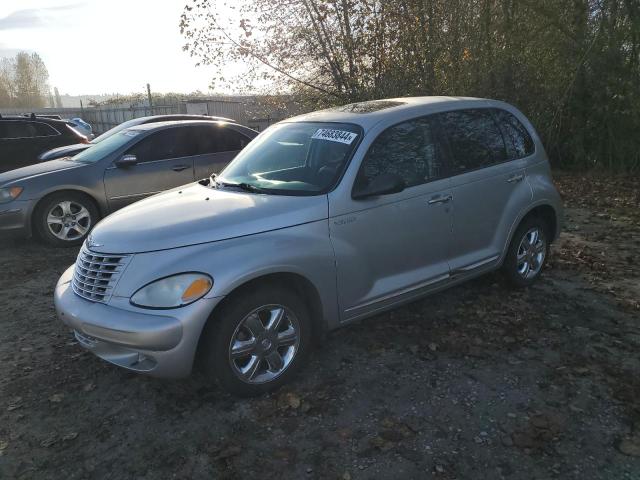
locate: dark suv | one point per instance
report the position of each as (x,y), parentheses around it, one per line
(22,139)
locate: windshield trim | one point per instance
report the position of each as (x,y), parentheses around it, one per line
(304,193)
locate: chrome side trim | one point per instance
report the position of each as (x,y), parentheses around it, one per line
(132,195)
(399,293)
(473,266)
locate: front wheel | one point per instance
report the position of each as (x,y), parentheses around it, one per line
(258,341)
(65,218)
(527,253)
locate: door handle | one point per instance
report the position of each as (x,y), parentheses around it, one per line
(440,199)
(179,168)
(516,178)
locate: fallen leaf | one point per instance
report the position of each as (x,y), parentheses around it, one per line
(56,397)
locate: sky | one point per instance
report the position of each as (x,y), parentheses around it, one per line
(104,46)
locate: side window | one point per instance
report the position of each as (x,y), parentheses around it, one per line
(475,139)
(44,130)
(409,149)
(164,145)
(232,140)
(19,130)
(216,139)
(521,143)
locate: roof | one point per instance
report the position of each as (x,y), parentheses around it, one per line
(367,114)
(170,123)
(29,118)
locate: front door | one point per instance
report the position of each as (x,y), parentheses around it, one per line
(165,161)
(394,247)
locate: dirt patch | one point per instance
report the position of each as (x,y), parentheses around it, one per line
(479,381)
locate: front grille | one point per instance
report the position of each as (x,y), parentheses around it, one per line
(96,274)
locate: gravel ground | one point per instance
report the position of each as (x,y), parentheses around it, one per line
(477,382)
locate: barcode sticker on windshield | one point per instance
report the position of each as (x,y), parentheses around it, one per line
(332,135)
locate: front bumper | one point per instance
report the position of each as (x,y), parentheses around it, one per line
(14,218)
(160,343)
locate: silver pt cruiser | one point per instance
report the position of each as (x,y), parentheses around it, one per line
(323,219)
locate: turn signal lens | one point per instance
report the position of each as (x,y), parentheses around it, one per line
(9,193)
(197,289)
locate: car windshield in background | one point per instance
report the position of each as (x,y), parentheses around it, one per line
(114,130)
(97,152)
(301,158)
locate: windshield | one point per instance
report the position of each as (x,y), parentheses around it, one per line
(302,158)
(96,153)
(114,130)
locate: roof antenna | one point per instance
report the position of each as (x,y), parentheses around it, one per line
(33,116)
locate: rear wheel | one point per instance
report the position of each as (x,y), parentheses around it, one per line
(527,253)
(65,218)
(258,342)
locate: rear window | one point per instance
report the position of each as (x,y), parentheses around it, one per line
(519,142)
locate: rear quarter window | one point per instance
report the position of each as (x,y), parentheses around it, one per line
(519,141)
(45,130)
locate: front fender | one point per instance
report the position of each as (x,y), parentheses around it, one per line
(304,250)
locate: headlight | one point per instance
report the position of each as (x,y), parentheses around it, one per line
(9,193)
(172,292)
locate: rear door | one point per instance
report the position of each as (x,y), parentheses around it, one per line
(488,186)
(216,145)
(164,161)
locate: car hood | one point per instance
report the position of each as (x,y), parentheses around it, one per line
(24,173)
(66,151)
(196,214)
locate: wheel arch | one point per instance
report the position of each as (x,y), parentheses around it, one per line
(290,280)
(543,210)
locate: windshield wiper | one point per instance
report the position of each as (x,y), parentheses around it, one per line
(247,187)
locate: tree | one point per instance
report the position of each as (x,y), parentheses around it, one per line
(23,81)
(572,66)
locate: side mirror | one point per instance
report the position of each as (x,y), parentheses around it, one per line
(126,161)
(383,184)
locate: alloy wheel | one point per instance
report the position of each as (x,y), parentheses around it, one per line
(68,220)
(264,344)
(531,253)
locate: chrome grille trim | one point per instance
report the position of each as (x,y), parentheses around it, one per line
(96,274)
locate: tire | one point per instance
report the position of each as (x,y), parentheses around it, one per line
(74,215)
(524,262)
(256,344)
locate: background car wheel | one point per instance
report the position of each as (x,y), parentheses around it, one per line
(258,341)
(527,253)
(65,218)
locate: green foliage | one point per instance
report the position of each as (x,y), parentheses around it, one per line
(573,66)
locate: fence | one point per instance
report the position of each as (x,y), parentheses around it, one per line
(104,118)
